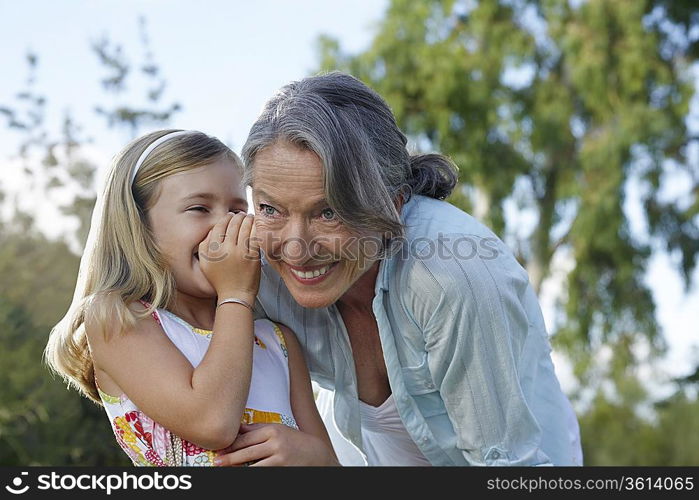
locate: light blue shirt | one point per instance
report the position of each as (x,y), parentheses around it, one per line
(464,342)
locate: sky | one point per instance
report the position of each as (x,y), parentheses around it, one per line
(221,60)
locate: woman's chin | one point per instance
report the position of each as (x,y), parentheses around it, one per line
(312,300)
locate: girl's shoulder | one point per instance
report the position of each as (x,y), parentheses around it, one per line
(141,307)
(108,316)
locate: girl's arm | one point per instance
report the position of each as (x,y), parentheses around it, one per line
(277,444)
(203,405)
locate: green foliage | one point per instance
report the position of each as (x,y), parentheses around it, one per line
(613,433)
(36,271)
(116,63)
(41,422)
(679,441)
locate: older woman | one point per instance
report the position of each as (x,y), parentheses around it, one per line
(419,326)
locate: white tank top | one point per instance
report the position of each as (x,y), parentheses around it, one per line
(385,441)
(148,443)
(384,437)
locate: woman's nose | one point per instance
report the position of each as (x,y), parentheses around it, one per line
(295,243)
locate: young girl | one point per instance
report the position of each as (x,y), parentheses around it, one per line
(161,331)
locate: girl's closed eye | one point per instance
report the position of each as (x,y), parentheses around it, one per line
(198,209)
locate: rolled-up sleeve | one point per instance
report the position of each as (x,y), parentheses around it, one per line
(471,309)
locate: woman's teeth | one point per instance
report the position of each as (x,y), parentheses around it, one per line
(311,274)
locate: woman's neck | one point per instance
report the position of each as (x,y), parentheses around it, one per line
(361,294)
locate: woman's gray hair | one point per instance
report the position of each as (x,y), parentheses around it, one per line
(354,133)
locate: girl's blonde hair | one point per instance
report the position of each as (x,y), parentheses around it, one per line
(123,264)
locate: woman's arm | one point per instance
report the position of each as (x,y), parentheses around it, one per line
(486,354)
(276,444)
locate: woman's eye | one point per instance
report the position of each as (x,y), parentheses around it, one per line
(328,214)
(267,209)
(199,209)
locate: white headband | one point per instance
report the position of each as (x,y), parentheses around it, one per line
(151,147)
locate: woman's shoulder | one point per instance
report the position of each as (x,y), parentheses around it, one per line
(445,247)
(427,220)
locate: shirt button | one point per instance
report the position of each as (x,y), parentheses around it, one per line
(495,454)
(429,385)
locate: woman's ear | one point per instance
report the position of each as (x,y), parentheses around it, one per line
(398,202)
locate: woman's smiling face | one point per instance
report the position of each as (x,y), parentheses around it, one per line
(318,256)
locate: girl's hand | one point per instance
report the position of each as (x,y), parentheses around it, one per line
(274,445)
(229,257)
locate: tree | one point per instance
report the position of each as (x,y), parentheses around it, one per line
(124,114)
(41,423)
(553,110)
(662,435)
